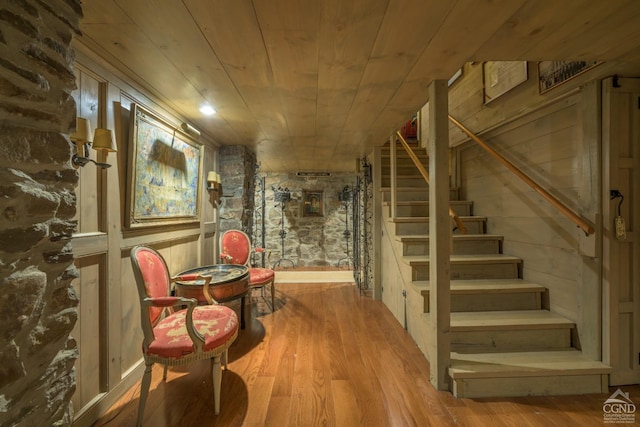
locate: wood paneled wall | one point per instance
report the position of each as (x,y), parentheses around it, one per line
(546,149)
(554,140)
(108,329)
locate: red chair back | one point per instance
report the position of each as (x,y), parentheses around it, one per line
(152,277)
(237,245)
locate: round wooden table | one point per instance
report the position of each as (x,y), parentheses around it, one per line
(228,282)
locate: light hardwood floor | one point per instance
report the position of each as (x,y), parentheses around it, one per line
(329,356)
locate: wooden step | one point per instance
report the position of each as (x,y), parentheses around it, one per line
(502,331)
(385,155)
(413,194)
(488,295)
(463,244)
(403,168)
(402,161)
(421,207)
(469,267)
(538,373)
(508,320)
(409,225)
(406,180)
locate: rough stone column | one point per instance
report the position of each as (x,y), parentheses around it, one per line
(37,204)
(237,202)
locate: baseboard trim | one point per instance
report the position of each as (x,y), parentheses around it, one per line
(93,410)
(298,276)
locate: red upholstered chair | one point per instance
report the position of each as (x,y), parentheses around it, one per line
(174,335)
(235,248)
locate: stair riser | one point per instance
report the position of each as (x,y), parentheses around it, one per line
(422,195)
(407,196)
(403,169)
(403,161)
(416,182)
(474,226)
(423,210)
(510,340)
(460,247)
(529,386)
(491,302)
(473,271)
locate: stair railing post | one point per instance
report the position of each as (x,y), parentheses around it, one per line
(439,344)
(393,158)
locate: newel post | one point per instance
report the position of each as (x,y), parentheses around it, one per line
(439,236)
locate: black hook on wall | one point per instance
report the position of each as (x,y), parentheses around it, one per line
(616,194)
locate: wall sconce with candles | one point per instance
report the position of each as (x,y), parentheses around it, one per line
(214,185)
(102,141)
(213,178)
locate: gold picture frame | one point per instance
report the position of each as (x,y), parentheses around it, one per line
(164,174)
(312,203)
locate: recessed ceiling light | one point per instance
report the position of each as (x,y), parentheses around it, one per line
(207,110)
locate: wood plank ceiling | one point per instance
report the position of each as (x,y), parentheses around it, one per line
(312,85)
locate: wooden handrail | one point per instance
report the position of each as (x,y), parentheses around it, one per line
(575,218)
(425,175)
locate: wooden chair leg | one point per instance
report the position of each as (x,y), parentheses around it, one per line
(144,391)
(242,307)
(164,373)
(273,296)
(217,383)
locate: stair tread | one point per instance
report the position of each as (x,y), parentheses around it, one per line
(426,202)
(484,286)
(465,259)
(524,364)
(511,320)
(420,152)
(415,175)
(410,188)
(405,219)
(425,237)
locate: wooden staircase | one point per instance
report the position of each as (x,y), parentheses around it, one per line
(503,340)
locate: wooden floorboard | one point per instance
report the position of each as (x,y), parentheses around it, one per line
(330,356)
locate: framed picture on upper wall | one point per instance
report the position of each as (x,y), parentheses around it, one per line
(554,73)
(164,177)
(312,203)
(502,76)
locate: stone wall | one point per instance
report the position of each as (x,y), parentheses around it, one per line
(37,204)
(236,173)
(309,241)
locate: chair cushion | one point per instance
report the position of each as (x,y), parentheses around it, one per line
(260,276)
(217,323)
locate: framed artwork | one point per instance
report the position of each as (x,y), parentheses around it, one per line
(502,76)
(313,203)
(554,73)
(164,177)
